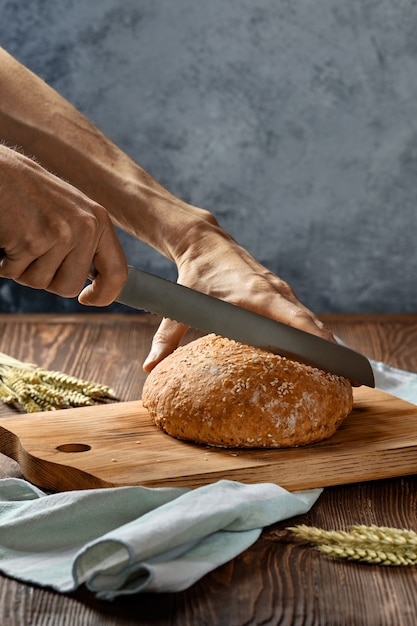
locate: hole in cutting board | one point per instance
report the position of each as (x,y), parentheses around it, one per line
(74,447)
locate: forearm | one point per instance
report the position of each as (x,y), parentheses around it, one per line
(46,126)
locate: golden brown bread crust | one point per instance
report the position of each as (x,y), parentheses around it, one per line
(219,392)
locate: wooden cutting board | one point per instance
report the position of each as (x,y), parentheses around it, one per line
(117,444)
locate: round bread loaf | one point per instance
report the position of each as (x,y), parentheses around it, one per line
(222,393)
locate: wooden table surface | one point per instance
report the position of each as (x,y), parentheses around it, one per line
(276,581)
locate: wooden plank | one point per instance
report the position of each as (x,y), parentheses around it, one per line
(117,444)
(276,581)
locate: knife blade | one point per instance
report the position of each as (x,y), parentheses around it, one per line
(147,292)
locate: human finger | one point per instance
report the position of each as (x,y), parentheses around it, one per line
(272,297)
(53,273)
(165,340)
(110,272)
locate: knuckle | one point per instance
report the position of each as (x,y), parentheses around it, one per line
(65,291)
(254,289)
(162,336)
(8,271)
(300,317)
(168,332)
(37,282)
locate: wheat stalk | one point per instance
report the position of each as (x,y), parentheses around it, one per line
(369,555)
(38,389)
(378,545)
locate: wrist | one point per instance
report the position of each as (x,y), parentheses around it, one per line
(154,215)
(202,242)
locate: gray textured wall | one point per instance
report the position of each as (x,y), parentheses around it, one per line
(294,122)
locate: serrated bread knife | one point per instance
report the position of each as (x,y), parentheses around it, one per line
(157,295)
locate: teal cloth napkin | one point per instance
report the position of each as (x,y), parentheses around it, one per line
(395,381)
(134,539)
